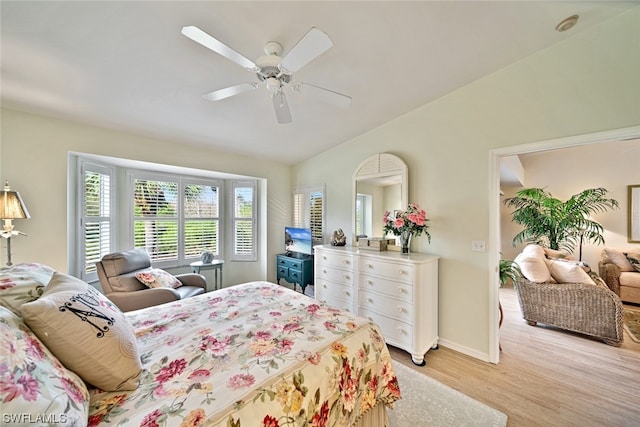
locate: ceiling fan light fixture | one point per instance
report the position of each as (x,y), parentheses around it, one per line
(273,84)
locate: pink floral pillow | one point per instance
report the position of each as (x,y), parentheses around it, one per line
(156,278)
(22,283)
(33,382)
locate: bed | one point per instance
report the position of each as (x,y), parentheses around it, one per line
(255,354)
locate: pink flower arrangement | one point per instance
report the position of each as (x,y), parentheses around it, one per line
(413,220)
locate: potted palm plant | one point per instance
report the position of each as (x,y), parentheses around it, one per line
(557,224)
(508,270)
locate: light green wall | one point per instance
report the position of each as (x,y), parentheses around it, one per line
(34,156)
(584,84)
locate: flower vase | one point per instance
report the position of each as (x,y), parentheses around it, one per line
(405,241)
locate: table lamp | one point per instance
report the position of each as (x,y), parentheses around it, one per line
(11,207)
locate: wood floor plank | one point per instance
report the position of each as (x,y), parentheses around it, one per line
(546,377)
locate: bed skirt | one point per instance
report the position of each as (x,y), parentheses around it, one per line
(375,417)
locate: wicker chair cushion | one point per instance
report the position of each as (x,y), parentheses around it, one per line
(568,272)
(532,264)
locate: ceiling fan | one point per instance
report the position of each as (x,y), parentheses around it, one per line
(274,70)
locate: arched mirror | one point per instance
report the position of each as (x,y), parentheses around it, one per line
(380,183)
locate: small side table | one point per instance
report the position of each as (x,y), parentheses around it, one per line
(215,265)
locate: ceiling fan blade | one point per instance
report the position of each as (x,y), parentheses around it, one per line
(330,97)
(199,36)
(283,115)
(309,47)
(229,91)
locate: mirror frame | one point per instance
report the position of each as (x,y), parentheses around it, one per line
(379,165)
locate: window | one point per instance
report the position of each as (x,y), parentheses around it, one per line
(244,221)
(202,221)
(175,218)
(118,205)
(308,211)
(96,202)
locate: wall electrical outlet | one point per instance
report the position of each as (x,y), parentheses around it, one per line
(477,245)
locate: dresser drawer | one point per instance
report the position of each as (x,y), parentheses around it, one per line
(395,332)
(334,294)
(289,263)
(335,274)
(336,260)
(400,290)
(391,307)
(389,270)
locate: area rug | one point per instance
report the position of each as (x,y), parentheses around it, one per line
(632,323)
(427,402)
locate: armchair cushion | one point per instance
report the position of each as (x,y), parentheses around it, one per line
(617,257)
(157,278)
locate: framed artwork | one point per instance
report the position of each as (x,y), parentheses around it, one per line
(634,214)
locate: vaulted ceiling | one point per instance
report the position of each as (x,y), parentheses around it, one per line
(126,65)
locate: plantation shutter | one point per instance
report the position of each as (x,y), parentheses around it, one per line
(244,221)
(96,218)
(201,219)
(308,211)
(155,218)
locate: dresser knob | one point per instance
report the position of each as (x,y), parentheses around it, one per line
(346,276)
(370,300)
(370,266)
(401,271)
(401,310)
(324,286)
(324,271)
(402,290)
(347,293)
(402,331)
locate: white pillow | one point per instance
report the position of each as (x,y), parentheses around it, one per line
(86,332)
(532,264)
(568,272)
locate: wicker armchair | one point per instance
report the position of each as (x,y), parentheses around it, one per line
(578,307)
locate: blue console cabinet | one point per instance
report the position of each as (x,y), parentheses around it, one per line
(296,269)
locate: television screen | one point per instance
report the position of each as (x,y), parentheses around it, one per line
(298,240)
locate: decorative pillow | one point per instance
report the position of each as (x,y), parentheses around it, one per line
(568,272)
(617,257)
(634,260)
(156,278)
(86,332)
(22,283)
(532,264)
(33,383)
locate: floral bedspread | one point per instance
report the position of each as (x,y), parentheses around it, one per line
(255,354)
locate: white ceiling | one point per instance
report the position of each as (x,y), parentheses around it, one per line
(126,66)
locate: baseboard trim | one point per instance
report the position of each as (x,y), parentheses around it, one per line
(464,350)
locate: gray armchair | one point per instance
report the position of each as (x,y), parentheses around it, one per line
(117,274)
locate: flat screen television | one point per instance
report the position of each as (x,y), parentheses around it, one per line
(298,240)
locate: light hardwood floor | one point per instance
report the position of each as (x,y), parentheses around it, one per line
(546,377)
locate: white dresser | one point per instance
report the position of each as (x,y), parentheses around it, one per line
(397,292)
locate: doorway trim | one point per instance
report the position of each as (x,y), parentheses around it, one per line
(494,208)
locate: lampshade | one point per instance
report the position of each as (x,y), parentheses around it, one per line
(11,204)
